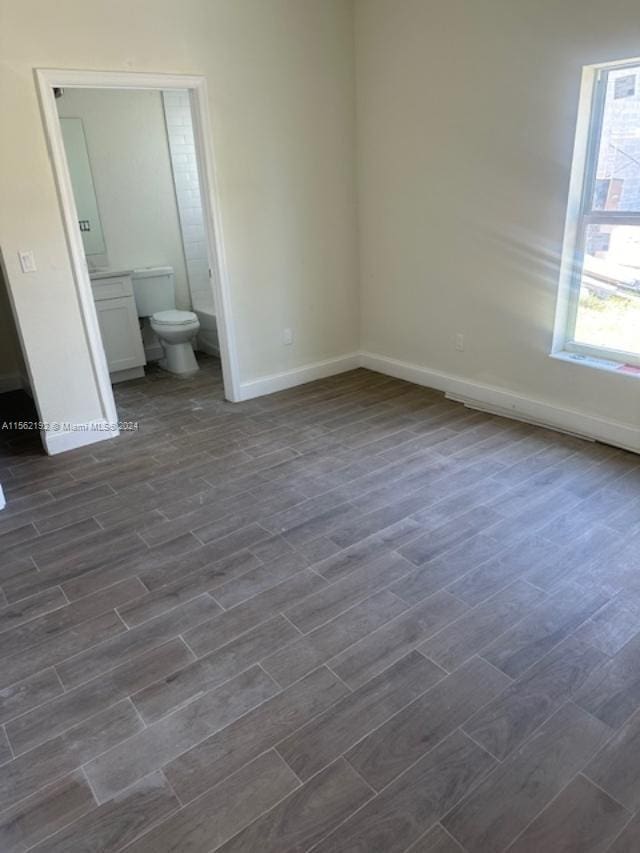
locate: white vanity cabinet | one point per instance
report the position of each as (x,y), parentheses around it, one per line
(119,325)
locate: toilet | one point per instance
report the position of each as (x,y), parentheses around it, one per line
(154,292)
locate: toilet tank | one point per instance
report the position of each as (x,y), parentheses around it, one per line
(153,289)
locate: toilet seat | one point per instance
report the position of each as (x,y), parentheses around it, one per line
(173,317)
(176,331)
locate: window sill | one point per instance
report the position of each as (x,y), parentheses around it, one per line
(605,364)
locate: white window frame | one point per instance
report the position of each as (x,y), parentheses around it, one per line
(580,214)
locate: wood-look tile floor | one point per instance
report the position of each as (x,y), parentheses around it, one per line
(353,616)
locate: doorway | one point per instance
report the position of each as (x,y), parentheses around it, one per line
(20,439)
(93,252)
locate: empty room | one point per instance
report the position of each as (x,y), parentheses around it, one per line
(320,426)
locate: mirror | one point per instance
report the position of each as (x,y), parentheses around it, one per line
(82,182)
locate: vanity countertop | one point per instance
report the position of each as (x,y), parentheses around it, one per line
(98,274)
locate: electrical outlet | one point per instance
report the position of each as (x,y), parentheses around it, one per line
(287,337)
(460,342)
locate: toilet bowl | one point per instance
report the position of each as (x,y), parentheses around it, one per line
(176,331)
(154,292)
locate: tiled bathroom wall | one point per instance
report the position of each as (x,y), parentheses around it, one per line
(185,174)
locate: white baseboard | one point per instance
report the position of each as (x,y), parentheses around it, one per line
(126,375)
(208,344)
(499,401)
(10,382)
(62,440)
(476,395)
(298,376)
(153,352)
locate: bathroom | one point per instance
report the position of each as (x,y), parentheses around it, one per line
(134,175)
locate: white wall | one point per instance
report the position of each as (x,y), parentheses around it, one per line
(466,118)
(129,156)
(280,77)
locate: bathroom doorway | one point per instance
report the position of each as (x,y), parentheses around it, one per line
(112,232)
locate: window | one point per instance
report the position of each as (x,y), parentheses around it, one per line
(603,307)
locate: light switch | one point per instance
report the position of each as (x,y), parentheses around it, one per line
(27,261)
